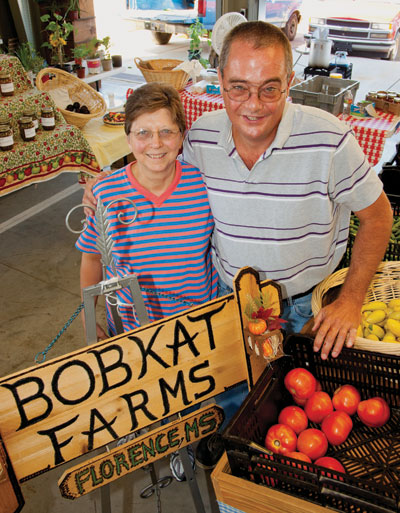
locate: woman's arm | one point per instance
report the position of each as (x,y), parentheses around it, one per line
(91,274)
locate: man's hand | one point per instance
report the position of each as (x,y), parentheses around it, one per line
(336,325)
(88,197)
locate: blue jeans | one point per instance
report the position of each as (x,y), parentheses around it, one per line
(297,312)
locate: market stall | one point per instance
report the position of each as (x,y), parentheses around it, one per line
(47,153)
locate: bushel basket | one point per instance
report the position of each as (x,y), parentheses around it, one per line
(370,456)
(78,91)
(162,70)
(384,286)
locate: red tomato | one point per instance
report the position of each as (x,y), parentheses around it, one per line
(299,402)
(331,463)
(294,417)
(346,398)
(313,443)
(281,439)
(337,427)
(257,326)
(374,412)
(300,383)
(318,406)
(298,456)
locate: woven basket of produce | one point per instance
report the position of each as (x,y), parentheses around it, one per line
(380,325)
(162,70)
(76,100)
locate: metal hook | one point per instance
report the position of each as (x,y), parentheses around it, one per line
(83,221)
(120,213)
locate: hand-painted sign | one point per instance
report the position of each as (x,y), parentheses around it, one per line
(139,452)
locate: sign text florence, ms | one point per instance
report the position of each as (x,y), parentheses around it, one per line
(35,401)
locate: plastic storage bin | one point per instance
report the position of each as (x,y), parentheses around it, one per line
(370,456)
(326,93)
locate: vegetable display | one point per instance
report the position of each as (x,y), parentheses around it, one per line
(330,417)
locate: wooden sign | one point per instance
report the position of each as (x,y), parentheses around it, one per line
(52,413)
(139,452)
(69,406)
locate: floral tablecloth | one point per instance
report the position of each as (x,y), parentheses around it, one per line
(52,152)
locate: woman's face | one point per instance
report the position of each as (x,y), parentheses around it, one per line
(155,141)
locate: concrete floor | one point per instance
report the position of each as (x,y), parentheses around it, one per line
(39,270)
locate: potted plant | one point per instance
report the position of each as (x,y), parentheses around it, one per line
(73,10)
(80,53)
(106,61)
(93,58)
(59,29)
(32,61)
(196,31)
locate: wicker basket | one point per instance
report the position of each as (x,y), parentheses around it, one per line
(78,91)
(161,70)
(384,286)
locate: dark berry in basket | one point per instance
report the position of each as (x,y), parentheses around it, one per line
(77,105)
(84,110)
(70,107)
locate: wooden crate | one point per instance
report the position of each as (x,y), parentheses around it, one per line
(249,497)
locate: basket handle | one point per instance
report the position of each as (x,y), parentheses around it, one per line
(138,62)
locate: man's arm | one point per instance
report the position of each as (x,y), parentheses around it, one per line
(91,274)
(337,323)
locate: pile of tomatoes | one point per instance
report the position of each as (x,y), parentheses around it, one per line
(293,437)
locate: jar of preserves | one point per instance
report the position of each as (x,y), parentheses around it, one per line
(372,95)
(6,84)
(31,113)
(6,138)
(4,120)
(391,97)
(381,96)
(47,119)
(26,129)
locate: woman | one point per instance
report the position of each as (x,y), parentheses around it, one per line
(168,245)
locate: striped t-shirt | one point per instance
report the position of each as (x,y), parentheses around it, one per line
(288,216)
(167,246)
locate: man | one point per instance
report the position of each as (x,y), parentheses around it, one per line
(282,180)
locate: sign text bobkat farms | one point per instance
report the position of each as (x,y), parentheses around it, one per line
(71,405)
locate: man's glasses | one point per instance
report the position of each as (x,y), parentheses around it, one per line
(266,94)
(143,135)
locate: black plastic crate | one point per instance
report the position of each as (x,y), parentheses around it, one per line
(345,70)
(371,457)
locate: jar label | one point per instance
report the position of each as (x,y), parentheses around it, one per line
(7,88)
(48,121)
(29,132)
(6,141)
(35,124)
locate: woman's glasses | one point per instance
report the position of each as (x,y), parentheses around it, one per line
(143,135)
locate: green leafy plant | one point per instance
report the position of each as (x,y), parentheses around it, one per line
(93,48)
(59,29)
(80,52)
(196,32)
(106,43)
(30,59)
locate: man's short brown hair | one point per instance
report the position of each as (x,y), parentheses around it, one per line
(152,97)
(259,34)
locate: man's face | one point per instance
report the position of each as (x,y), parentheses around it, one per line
(254,121)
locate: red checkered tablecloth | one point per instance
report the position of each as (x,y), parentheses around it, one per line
(372,132)
(196,104)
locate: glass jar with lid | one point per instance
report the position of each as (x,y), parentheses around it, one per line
(6,84)
(30,112)
(26,129)
(5,120)
(6,138)
(47,119)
